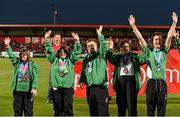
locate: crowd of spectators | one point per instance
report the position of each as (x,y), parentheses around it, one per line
(16,46)
(39,48)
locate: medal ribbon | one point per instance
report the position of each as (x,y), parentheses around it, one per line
(23,71)
(157,58)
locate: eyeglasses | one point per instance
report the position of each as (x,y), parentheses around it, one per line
(90,46)
(23,54)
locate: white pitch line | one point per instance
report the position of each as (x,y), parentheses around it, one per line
(3,83)
(5,72)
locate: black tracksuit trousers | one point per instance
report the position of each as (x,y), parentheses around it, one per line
(156,95)
(97,98)
(22,102)
(63,101)
(126,96)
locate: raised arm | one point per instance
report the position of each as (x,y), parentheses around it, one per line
(136,31)
(102,41)
(9,51)
(48,47)
(75,36)
(171,30)
(110,55)
(77,48)
(47,36)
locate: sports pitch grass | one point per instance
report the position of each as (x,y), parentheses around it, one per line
(80,105)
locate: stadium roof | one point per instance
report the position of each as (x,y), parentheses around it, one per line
(82,30)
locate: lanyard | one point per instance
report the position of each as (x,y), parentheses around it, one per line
(89,64)
(23,72)
(157,58)
(62,67)
(62,64)
(23,68)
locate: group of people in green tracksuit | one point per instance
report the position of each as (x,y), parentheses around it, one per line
(126,79)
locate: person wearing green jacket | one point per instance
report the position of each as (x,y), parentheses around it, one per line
(56,44)
(62,75)
(126,79)
(156,58)
(94,75)
(24,82)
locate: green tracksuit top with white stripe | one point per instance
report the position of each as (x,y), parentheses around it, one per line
(94,68)
(56,80)
(156,61)
(20,84)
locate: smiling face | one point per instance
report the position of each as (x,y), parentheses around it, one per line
(62,54)
(24,55)
(157,40)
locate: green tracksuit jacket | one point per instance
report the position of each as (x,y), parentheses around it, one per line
(94,68)
(137,61)
(27,85)
(56,80)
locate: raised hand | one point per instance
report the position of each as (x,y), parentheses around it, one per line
(7,41)
(171,30)
(47,36)
(99,30)
(131,20)
(174,17)
(75,36)
(176,34)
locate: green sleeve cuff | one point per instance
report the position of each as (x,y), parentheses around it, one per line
(47,44)
(101,37)
(77,48)
(109,49)
(77,44)
(9,49)
(144,48)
